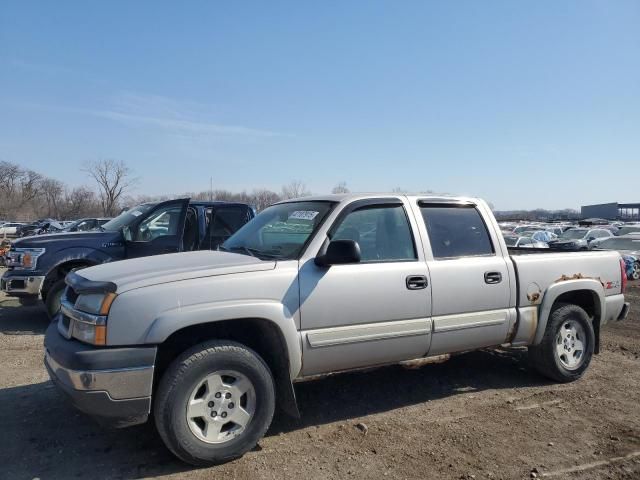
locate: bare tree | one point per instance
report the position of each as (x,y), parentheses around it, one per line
(295,189)
(52,191)
(341,188)
(113,178)
(262,198)
(79,202)
(10,175)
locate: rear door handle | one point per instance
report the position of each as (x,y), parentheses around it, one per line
(492,277)
(416,282)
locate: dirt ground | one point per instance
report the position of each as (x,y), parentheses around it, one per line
(479,415)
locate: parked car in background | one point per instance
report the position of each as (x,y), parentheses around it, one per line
(85,224)
(579,238)
(633,266)
(9,229)
(210,342)
(626,229)
(543,236)
(629,247)
(39,227)
(523,242)
(556,230)
(521,228)
(38,264)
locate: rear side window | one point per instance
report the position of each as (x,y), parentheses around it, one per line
(456,231)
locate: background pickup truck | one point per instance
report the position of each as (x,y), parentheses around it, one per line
(311,287)
(38,265)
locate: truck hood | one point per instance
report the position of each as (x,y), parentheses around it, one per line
(79,238)
(173,267)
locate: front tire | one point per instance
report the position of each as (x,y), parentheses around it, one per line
(54,298)
(567,346)
(214,403)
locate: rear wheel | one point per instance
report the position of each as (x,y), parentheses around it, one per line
(635,272)
(214,402)
(567,345)
(54,298)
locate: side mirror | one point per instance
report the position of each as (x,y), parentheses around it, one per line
(339,252)
(591,239)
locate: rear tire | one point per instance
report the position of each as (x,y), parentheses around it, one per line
(54,298)
(218,379)
(635,273)
(567,346)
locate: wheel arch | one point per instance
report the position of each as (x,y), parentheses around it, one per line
(585,293)
(61,269)
(262,335)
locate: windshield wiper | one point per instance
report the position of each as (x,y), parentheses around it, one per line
(249,251)
(235,249)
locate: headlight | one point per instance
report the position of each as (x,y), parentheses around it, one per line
(90,317)
(24,258)
(89,332)
(95,303)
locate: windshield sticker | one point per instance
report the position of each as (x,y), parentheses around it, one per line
(136,213)
(304,214)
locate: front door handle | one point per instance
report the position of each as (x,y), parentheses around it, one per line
(492,277)
(416,282)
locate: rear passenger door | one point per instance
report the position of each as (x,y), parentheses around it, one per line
(471,292)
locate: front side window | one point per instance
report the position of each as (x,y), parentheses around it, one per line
(161,223)
(456,231)
(127,218)
(382,232)
(280,231)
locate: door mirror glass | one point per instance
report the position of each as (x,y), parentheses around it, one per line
(340,252)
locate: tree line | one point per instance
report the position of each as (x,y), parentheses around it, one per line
(28,195)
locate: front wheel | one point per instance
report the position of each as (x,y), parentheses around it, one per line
(214,403)
(567,345)
(54,298)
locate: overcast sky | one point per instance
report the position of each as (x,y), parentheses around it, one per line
(527,104)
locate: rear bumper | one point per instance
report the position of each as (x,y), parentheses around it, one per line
(113,385)
(624,312)
(21,284)
(615,308)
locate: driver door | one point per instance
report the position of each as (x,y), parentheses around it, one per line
(159,231)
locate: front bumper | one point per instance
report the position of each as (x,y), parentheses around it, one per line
(21,284)
(113,385)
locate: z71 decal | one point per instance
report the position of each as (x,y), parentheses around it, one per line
(612,285)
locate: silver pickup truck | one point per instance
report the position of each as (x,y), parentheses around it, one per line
(209,342)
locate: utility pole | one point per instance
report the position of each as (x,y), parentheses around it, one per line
(210,189)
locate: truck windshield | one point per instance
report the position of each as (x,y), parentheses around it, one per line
(127,218)
(281,231)
(573,234)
